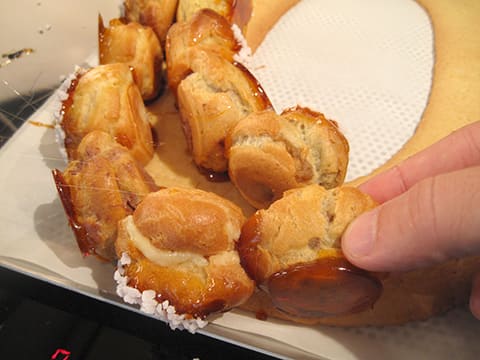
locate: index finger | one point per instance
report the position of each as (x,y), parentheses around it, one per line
(459,150)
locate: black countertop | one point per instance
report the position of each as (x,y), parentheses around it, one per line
(42,321)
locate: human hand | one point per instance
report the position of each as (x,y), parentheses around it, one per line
(429,210)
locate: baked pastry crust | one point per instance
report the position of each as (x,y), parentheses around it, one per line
(106,98)
(269,154)
(182,246)
(103,186)
(137,46)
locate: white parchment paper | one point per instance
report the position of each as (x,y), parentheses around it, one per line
(365,64)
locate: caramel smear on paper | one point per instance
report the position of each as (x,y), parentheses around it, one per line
(9,57)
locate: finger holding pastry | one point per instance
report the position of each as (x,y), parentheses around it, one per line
(430,199)
(292,249)
(434,221)
(428,214)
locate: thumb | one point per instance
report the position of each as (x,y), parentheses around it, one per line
(436,219)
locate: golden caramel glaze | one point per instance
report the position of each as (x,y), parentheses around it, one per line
(328,286)
(137,46)
(222,288)
(269,154)
(182,246)
(157,14)
(98,190)
(212,100)
(106,98)
(206,30)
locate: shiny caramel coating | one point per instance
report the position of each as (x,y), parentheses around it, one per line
(328,286)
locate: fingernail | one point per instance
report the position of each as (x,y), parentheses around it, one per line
(359,238)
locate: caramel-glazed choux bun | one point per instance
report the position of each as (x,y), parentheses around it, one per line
(270,153)
(157,14)
(137,46)
(212,100)
(206,30)
(292,250)
(103,186)
(181,243)
(106,98)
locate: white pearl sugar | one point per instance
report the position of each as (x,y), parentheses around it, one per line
(148,303)
(244,55)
